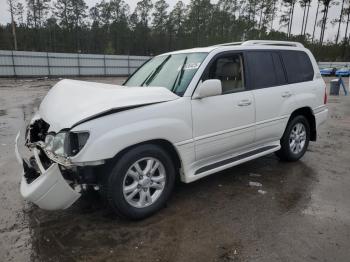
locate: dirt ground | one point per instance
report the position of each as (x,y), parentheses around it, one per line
(301,213)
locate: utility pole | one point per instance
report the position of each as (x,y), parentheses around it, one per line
(12,10)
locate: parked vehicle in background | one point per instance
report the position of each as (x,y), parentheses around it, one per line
(184,114)
(344,71)
(330,71)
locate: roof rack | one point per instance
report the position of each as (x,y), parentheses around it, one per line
(272,42)
(228,44)
(264,42)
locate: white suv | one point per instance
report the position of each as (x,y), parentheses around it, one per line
(185,114)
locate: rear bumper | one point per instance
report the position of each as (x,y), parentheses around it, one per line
(49,190)
(321,116)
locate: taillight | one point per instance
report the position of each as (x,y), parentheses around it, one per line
(325,96)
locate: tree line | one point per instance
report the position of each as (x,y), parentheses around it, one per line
(111,27)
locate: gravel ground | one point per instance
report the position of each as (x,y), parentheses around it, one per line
(263,210)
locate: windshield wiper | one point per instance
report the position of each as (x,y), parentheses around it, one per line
(155,72)
(179,75)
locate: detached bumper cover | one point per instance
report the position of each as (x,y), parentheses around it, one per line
(49,190)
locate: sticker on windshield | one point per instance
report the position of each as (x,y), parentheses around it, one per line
(191,66)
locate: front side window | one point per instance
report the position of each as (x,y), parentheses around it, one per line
(228,69)
(174,71)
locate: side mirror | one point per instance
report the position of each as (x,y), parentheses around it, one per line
(210,87)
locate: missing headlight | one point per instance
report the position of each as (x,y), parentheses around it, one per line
(37,131)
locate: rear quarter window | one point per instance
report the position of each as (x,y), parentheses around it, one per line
(298,66)
(265,69)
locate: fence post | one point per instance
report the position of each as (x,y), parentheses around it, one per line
(78,64)
(13,65)
(128,65)
(48,64)
(104,64)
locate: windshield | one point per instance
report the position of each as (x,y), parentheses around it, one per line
(173,72)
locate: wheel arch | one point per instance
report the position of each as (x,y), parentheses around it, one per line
(163,143)
(308,114)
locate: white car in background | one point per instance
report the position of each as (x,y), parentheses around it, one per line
(185,114)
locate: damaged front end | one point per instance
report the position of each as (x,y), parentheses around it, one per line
(50,179)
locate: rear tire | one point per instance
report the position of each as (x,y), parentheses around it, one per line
(295,139)
(140,182)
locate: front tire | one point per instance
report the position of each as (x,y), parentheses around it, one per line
(295,139)
(140,182)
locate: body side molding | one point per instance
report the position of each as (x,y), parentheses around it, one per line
(233,159)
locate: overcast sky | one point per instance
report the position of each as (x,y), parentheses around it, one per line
(298,16)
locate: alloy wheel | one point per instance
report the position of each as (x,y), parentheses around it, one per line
(297,138)
(144,182)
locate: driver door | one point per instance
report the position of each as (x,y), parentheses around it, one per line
(224,124)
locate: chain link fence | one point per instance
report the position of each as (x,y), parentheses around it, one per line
(333,64)
(46,64)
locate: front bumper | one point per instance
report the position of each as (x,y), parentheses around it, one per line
(49,190)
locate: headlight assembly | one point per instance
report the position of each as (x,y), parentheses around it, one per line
(59,143)
(66,143)
(49,141)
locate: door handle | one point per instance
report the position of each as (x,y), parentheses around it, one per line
(245,102)
(286,94)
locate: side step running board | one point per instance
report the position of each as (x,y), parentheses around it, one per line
(233,159)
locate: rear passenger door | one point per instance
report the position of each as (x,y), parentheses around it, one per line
(272,95)
(300,75)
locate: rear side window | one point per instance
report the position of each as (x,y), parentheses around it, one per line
(298,66)
(281,78)
(265,69)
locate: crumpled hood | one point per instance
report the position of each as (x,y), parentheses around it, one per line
(70,101)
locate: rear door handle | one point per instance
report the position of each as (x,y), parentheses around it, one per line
(286,94)
(245,102)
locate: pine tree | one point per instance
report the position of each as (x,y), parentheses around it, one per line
(19,13)
(340,19)
(315,23)
(326,5)
(12,8)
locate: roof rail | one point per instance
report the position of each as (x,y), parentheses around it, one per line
(272,42)
(264,42)
(228,44)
